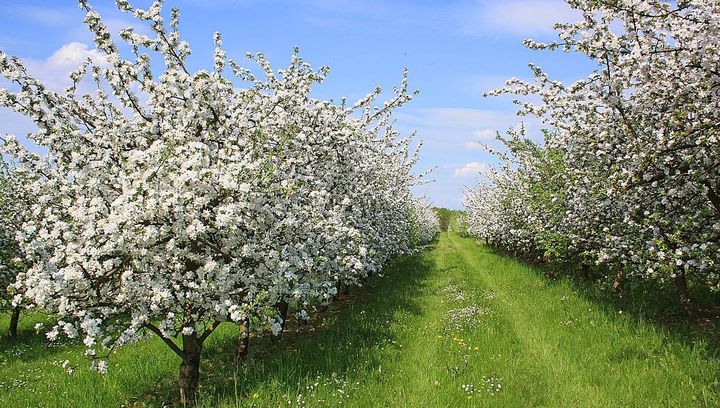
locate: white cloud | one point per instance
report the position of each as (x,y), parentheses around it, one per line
(451,128)
(521,17)
(53,72)
(115,25)
(456,121)
(472,169)
(481,137)
(485,134)
(72,55)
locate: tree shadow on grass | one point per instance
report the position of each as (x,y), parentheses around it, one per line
(30,344)
(344,338)
(645,301)
(657,304)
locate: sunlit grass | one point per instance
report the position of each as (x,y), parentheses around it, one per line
(454,326)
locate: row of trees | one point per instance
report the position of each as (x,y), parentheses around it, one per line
(170,204)
(629,175)
(13,203)
(448,219)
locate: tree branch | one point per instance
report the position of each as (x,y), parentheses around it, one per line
(209,331)
(713,196)
(167,341)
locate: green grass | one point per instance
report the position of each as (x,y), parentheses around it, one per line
(528,342)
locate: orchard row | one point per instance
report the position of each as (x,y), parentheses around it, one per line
(629,174)
(169,204)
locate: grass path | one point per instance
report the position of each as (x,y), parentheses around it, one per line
(454,326)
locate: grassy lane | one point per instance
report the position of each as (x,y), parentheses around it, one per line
(562,350)
(453,326)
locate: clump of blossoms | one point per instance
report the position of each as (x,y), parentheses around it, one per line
(172,203)
(425,222)
(639,140)
(521,207)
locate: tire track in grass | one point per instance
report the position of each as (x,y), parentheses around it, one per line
(421,375)
(503,347)
(464,366)
(418,371)
(538,357)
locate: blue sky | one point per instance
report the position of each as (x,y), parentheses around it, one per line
(455,50)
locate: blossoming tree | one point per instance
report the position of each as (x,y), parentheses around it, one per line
(638,139)
(172,203)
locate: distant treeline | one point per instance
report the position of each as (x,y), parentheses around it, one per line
(451,220)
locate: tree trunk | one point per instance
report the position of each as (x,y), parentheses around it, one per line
(713,196)
(283,311)
(243,341)
(683,295)
(617,284)
(338,290)
(189,369)
(585,271)
(14,319)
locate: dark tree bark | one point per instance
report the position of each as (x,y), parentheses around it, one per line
(190,359)
(189,369)
(584,271)
(338,290)
(14,319)
(683,296)
(617,284)
(713,196)
(282,311)
(243,341)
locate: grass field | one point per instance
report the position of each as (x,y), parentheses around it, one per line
(454,326)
